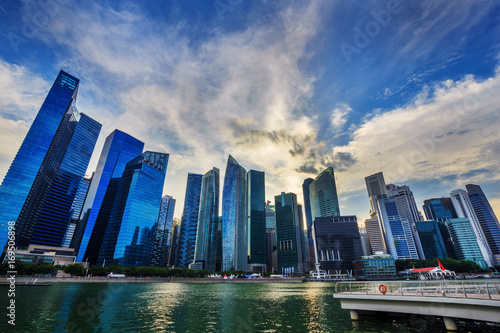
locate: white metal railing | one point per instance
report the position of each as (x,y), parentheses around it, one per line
(450,288)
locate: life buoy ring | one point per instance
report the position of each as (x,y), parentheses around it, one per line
(382,288)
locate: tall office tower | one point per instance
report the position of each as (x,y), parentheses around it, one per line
(234,218)
(257,247)
(129,236)
(205,253)
(397,232)
(487,219)
(309,222)
(432,240)
(218,262)
(119,149)
(464,209)
(270,216)
(288,233)
(407,209)
(338,242)
(42,163)
(323,195)
(303,239)
(173,249)
(163,228)
(375,237)
(375,185)
(189,220)
(439,209)
(76,209)
(272,256)
(364,242)
(465,242)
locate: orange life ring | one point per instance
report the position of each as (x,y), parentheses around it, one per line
(382,288)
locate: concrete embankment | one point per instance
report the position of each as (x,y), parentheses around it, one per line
(31,280)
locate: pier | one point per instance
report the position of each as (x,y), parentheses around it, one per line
(474,300)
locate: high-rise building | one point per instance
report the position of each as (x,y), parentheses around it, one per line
(432,240)
(407,209)
(289,228)
(119,149)
(234,218)
(487,219)
(439,209)
(323,195)
(375,237)
(375,185)
(129,236)
(257,247)
(309,222)
(270,216)
(163,228)
(173,249)
(465,243)
(338,242)
(205,253)
(464,209)
(76,210)
(364,242)
(189,220)
(48,168)
(397,232)
(272,255)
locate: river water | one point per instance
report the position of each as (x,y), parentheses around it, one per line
(184,307)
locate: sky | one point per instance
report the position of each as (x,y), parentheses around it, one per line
(409,88)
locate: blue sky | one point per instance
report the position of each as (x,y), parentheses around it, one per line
(409,88)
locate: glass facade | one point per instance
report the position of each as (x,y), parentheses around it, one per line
(487,219)
(208,222)
(234,218)
(465,243)
(288,233)
(338,242)
(257,252)
(432,240)
(376,267)
(129,235)
(37,165)
(173,249)
(323,195)
(189,221)
(307,209)
(163,229)
(119,148)
(76,210)
(439,209)
(397,232)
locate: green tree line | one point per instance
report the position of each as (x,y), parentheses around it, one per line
(458,266)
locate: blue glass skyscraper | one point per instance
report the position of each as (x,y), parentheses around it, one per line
(119,149)
(129,235)
(439,209)
(257,244)
(234,218)
(189,220)
(205,253)
(431,239)
(309,222)
(323,195)
(465,243)
(487,219)
(37,165)
(163,228)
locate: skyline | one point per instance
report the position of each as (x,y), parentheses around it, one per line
(279,96)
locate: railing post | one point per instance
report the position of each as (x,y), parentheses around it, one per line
(463,287)
(488,289)
(401,287)
(421,291)
(350,287)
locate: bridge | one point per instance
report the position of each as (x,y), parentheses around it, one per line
(475,300)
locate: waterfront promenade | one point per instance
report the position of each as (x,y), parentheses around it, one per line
(475,300)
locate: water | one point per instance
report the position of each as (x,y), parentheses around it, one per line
(177,307)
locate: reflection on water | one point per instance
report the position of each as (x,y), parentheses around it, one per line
(177,307)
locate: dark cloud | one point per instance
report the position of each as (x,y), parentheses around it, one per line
(309,169)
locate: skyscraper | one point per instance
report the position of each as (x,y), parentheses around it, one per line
(129,236)
(43,160)
(338,242)
(375,237)
(464,209)
(439,209)
(487,219)
(234,218)
(288,233)
(173,249)
(257,245)
(323,195)
(76,210)
(205,253)
(465,243)
(119,149)
(189,220)
(163,228)
(432,241)
(309,222)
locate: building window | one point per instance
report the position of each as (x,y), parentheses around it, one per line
(285,245)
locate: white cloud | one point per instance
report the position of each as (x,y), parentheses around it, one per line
(338,118)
